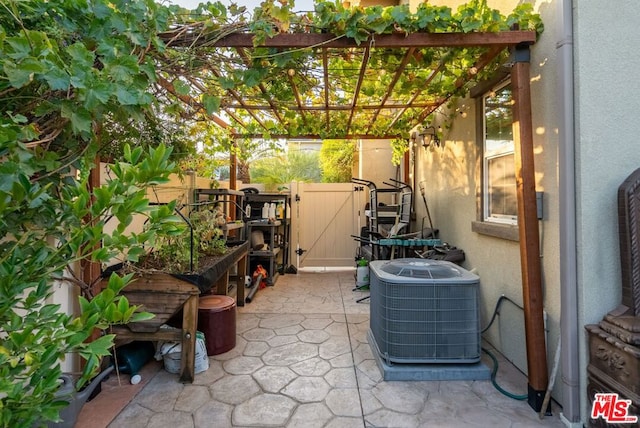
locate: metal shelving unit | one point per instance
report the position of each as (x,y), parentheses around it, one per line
(276,233)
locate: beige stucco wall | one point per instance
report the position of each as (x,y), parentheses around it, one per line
(607,129)
(606,96)
(375,164)
(451,179)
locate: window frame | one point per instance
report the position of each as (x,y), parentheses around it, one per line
(505,227)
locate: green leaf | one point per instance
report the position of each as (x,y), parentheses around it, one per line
(252,77)
(126,96)
(101,347)
(211,103)
(81,121)
(80,54)
(21,47)
(123,304)
(122,68)
(226,83)
(141,316)
(57,77)
(18,77)
(97,94)
(134,253)
(181,87)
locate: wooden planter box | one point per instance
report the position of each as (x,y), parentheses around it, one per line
(165,295)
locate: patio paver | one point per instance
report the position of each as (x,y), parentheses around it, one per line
(302,360)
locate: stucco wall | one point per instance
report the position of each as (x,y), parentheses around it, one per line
(607,129)
(607,150)
(451,178)
(375,164)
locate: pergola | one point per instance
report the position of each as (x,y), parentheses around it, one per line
(319,94)
(379,88)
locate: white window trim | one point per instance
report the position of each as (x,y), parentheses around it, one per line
(486,214)
(487,155)
(504,231)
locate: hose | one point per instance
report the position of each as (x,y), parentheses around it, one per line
(495,311)
(494,372)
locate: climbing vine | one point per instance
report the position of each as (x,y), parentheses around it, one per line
(286,77)
(65,75)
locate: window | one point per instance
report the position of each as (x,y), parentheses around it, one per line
(497,207)
(499,202)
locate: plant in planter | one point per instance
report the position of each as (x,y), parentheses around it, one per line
(188,251)
(172,276)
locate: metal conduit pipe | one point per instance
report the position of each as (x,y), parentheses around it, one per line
(569,326)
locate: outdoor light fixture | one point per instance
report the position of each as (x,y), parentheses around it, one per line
(425,136)
(429,136)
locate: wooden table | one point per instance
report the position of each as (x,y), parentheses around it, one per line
(164,295)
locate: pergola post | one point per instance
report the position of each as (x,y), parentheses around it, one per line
(92,270)
(528,229)
(233,177)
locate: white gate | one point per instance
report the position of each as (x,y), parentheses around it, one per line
(324,216)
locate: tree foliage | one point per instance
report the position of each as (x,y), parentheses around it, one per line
(295,165)
(336,160)
(48,229)
(66,69)
(148,131)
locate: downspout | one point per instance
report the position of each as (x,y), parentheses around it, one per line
(569,326)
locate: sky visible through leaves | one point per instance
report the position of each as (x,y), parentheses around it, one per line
(300,5)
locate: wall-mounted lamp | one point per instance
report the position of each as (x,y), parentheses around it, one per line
(429,136)
(425,136)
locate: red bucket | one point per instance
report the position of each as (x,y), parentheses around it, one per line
(217,320)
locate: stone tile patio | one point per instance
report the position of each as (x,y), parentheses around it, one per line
(302,360)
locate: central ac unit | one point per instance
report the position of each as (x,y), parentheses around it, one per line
(424,311)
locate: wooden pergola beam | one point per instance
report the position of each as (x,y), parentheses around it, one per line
(319,137)
(325,67)
(302,108)
(356,92)
(235,117)
(307,40)
(392,84)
